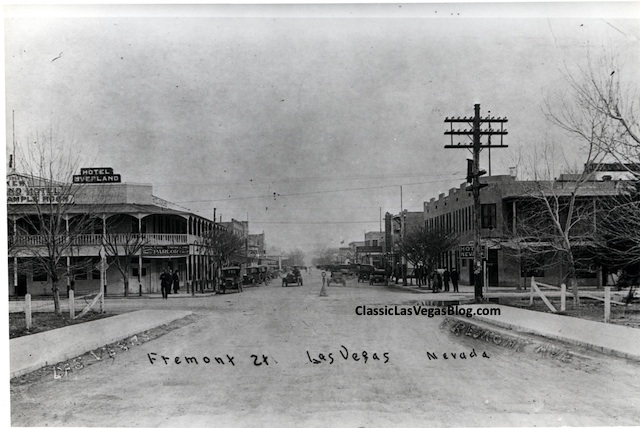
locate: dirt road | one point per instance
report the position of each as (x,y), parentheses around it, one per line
(283,356)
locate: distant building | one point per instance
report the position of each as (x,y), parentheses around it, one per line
(372,252)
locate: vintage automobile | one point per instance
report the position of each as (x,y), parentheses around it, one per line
(292,278)
(364,272)
(231,279)
(378,276)
(250,276)
(354,269)
(264,276)
(337,276)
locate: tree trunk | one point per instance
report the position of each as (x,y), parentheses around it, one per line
(56,296)
(126,286)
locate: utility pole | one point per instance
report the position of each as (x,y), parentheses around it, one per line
(473,175)
(403,266)
(214,244)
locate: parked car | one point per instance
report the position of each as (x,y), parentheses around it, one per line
(378,276)
(231,279)
(364,272)
(337,276)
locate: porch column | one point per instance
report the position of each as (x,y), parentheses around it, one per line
(66,225)
(140,257)
(15,258)
(15,273)
(188,268)
(140,273)
(513,211)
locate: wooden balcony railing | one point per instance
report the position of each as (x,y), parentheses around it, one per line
(96,239)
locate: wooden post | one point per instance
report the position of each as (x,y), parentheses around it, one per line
(27,310)
(103,275)
(563,297)
(607,303)
(533,281)
(72,304)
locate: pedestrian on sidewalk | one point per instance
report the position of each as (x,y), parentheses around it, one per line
(437,281)
(454,279)
(176,281)
(418,274)
(445,279)
(165,283)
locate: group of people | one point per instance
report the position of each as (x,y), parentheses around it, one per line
(440,282)
(435,280)
(167,280)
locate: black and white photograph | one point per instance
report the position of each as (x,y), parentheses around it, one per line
(297,215)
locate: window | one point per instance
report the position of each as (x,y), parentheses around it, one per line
(81,274)
(39,276)
(488,216)
(135,271)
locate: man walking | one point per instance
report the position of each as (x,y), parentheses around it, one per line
(454,279)
(445,278)
(165,283)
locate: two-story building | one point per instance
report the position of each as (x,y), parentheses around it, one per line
(506,205)
(168,236)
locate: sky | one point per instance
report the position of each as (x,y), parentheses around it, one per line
(305,120)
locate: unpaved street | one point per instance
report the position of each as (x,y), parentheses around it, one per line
(268,339)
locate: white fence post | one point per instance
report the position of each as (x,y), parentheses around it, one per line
(533,281)
(27,310)
(563,297)
(72,304)
(607,303)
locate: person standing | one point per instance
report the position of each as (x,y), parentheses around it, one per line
(437,281)
(176,281)
(165,283)
(446,276)
(418,274)
(454,279)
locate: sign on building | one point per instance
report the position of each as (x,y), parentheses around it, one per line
(165,250)
(466,251)
(369,249)
(97,175)
(23,191)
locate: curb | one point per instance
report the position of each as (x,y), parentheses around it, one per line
(566,340)
(29,353)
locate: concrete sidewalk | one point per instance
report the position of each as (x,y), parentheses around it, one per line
(612,339)
(31,352)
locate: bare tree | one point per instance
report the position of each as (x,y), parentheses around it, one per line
(425,245)
(121,247)
(221,245)
(600,110)
(42,202)
(295,257)
(619,227)
(555,217)
(324,256)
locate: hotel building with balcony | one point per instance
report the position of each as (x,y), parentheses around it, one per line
(172,237)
